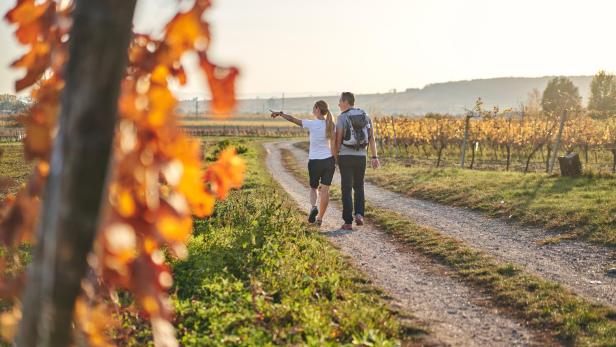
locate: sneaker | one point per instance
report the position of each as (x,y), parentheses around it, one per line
(318,223)
(359,219)
(346,227)
(313,215)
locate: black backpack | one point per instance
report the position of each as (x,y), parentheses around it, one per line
(356,129)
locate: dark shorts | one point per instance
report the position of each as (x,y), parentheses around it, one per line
(321,170)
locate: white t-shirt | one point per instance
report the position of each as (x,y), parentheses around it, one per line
(319,143)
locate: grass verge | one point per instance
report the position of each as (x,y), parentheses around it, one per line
(544,304)
(13,168)
(257,275)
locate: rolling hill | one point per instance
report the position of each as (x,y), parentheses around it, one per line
(447,97)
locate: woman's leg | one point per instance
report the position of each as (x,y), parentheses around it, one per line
(313,197)
(326,181)
(313,173)
(324,201)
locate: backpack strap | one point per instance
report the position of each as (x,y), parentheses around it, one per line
(355,147)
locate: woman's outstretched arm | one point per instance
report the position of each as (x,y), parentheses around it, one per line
(287,117)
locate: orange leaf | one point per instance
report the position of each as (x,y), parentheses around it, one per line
(38,140)
(126,203)
(36,61)
(187,31)
(28,33)
(222,85)
(174,228)
(226,173)
(162,104)
(27,12)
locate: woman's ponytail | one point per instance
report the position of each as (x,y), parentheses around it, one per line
(329,122)
(329,119)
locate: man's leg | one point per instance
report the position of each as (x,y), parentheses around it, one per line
(346,185)
(359,171)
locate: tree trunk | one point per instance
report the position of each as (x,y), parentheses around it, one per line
(508,156)
(547,158)
(79,162)
(530,156)
(440,153)
(614,160)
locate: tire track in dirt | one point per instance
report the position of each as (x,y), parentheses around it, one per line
(456,314)
(577,265)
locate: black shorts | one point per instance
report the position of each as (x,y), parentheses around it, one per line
(321,170)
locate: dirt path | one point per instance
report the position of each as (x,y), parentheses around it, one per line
(456,314)
(577,265)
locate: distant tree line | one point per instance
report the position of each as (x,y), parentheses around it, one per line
(10,104)
(562,95)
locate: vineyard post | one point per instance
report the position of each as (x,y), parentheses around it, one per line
(196,108)
(508,146)
(467,121)
(563,119)
(393,126)
(614,159)
(80,157)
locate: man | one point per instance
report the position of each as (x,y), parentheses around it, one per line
(354,134)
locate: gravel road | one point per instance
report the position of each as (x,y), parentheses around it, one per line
(456,314)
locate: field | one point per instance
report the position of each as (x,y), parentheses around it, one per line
(13,167)
(245,120)
(257,275)
(573,207)
(202,125)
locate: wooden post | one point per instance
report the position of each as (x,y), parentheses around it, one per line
(467,123)
(563,119)
(79,162)
(393,126)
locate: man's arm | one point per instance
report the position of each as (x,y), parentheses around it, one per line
(372,143)
(287,117)
(337,142)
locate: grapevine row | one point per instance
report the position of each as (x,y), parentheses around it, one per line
(512,135)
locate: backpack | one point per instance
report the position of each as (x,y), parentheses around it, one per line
(356,129)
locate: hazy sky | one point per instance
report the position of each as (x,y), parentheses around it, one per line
(325,46)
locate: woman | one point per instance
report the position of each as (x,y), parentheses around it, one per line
(321,163)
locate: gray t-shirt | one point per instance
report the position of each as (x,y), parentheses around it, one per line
(341,124)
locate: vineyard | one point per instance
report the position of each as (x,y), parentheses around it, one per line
(260,130)
(498,141)
(12,128)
